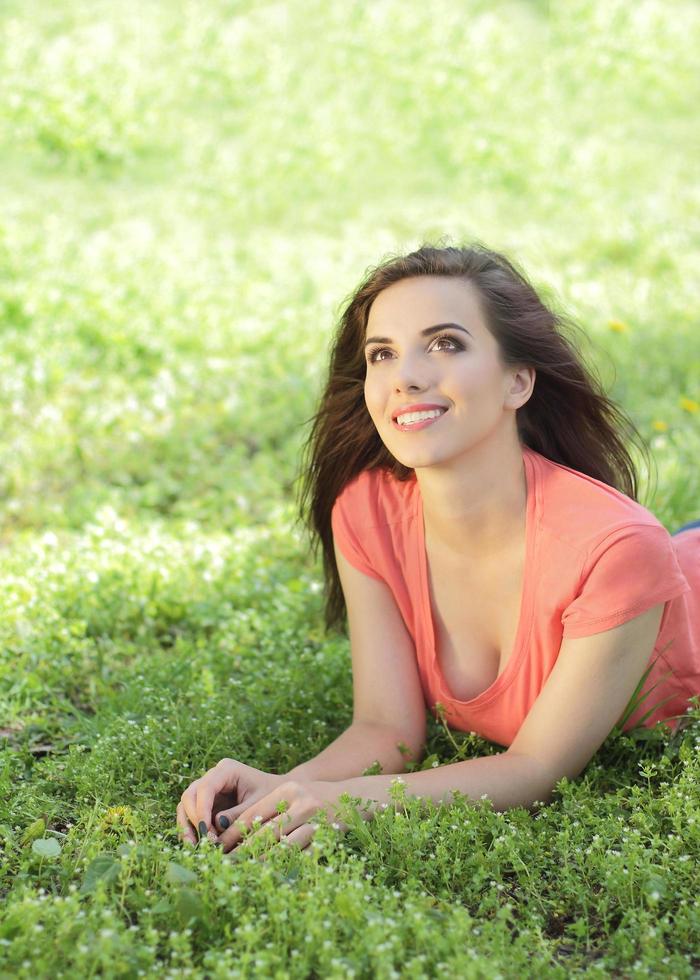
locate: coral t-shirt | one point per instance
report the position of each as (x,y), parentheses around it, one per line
(595,558)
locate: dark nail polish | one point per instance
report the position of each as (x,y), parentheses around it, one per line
(224,822)
(202,828)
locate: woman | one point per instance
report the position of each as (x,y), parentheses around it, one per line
(477,510)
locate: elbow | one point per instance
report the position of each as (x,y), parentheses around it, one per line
(544,798)
(540,779)
(412,747)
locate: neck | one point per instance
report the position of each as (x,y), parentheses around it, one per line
(478,505)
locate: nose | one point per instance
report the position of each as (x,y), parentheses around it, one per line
(407,377)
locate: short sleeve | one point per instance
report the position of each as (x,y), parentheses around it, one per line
(631,570)
(351,526)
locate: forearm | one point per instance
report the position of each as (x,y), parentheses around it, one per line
(355,750)
(508,780)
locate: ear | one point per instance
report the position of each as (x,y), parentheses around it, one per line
(521,387)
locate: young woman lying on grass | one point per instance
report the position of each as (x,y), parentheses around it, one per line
(477,510)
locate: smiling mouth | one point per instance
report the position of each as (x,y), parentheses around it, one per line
(417,426)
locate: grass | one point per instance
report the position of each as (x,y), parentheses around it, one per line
(188,193)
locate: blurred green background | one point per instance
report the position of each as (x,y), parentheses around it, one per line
(190,190)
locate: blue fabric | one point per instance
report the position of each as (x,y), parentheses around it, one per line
(686,526)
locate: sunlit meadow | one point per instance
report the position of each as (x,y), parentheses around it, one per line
(188,193)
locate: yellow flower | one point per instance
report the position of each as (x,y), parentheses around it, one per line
(689,405)
(619,326)
(659,425)
(116,817)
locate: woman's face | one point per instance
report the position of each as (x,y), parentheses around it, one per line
(456,369)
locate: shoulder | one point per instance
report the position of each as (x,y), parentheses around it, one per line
(363,518)
(605,553)
(375,498)
(587,514)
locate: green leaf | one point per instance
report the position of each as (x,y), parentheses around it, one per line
(655,888)
(189,906)
(179,875)
(104,868)
(635,702)
(163,907)
(34,831)
(289,878)
(436,914)
(375,769)
(47,847)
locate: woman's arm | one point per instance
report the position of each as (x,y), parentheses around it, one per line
(507,779)
(357,749)
(582,699)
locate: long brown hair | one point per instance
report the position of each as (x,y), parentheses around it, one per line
(568,417)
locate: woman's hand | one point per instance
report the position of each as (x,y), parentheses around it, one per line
(294,826)
(226,791)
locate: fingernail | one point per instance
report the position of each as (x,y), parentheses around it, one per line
(224,822)
(202,828)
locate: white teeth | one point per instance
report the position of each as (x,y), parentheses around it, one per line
(419,416)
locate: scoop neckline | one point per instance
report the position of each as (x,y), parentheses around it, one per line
(520,644)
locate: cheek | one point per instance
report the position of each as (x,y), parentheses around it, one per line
(478,381)
(371,398)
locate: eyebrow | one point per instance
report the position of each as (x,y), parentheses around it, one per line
(424,333)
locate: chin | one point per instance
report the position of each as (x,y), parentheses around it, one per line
(417,462)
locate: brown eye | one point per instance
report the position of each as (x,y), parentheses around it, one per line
(453,342)
(456,344)
(373,353)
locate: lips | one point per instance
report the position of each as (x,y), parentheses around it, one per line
(418,426)
(421,407)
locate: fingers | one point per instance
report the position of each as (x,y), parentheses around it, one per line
(188,803)
(187,831)
(224,819)
(258,816)
(222,778)
(198,799)
(299,839)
